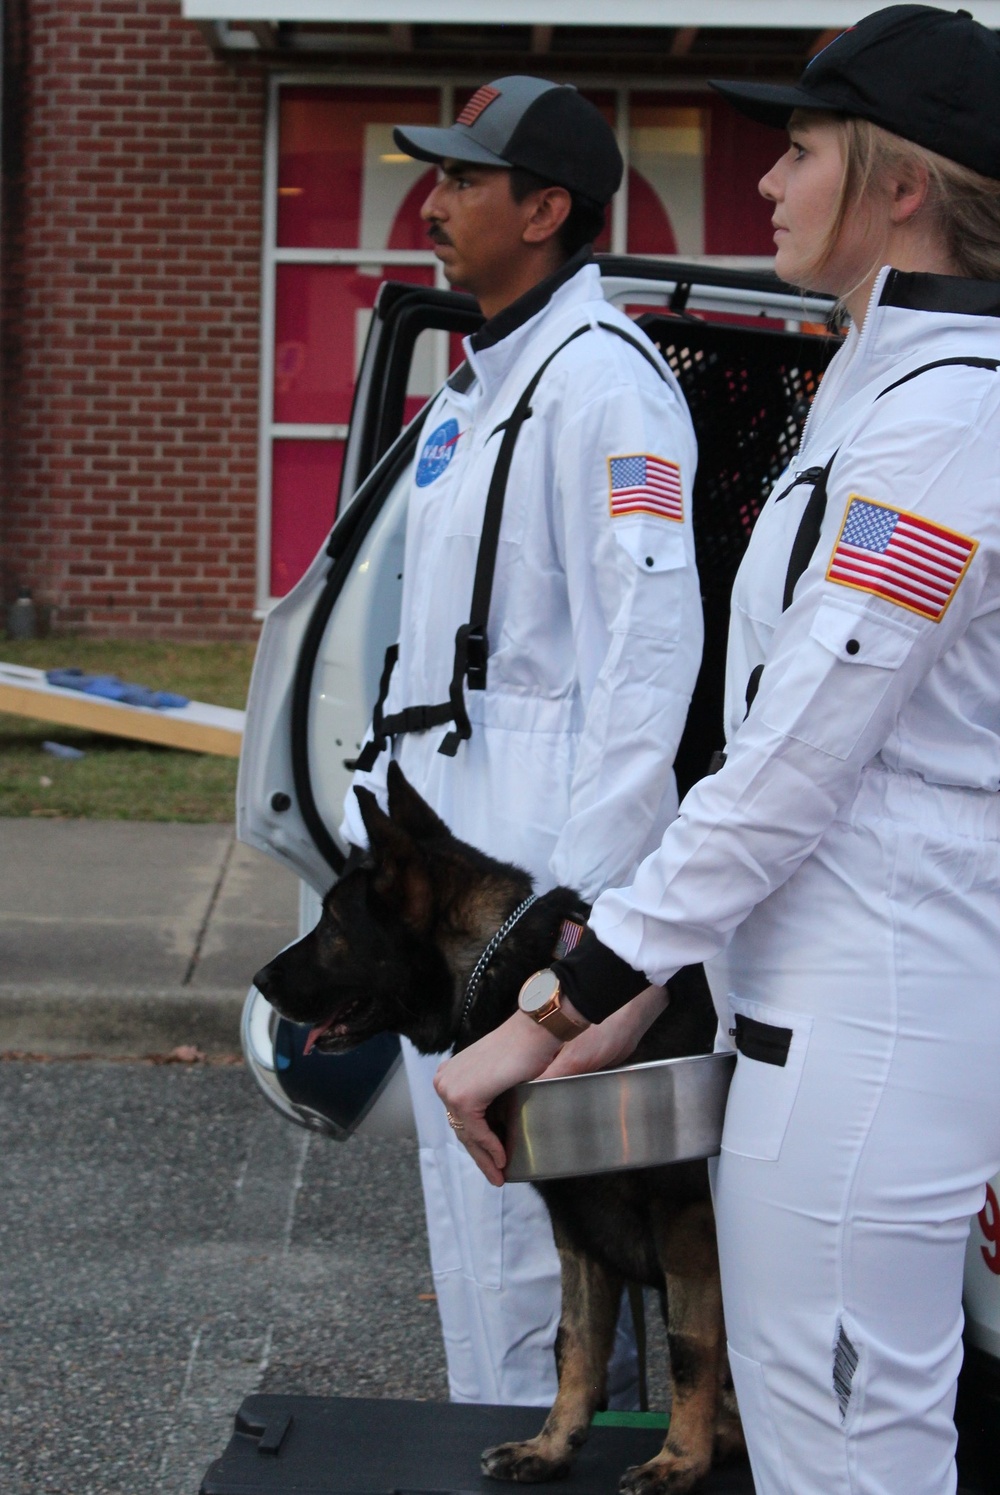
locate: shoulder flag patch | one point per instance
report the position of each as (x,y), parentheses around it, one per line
(899,556)
(642,484)
(481,99)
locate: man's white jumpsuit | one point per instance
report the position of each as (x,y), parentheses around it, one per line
(595,634)
(844,866)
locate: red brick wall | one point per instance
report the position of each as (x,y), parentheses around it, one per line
(131,324)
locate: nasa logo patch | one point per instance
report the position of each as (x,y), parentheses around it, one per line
(439,448)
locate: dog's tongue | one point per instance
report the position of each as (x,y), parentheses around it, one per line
(315,1033)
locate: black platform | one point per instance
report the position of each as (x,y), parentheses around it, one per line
(311,1445)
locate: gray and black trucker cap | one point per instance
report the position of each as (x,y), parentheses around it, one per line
(929,75)
(547,128)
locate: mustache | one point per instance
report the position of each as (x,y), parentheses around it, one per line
(436,234)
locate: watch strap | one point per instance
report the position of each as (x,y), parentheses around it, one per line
(559,1025)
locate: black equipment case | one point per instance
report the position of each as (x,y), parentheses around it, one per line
(312,1445)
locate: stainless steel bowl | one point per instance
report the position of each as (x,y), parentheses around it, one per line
(668,1111)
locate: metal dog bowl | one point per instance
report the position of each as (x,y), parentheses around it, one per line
(668,1111)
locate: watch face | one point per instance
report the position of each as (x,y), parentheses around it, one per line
(538,991)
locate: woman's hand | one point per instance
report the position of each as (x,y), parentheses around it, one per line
(609,1044)
(520,1049)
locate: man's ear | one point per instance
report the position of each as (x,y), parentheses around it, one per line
(408,810)
(550,207)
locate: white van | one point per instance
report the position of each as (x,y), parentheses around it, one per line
(749,357)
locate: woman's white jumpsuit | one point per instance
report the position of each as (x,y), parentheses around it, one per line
(843,868)
(595,640)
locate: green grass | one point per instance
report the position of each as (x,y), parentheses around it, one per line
(119,779)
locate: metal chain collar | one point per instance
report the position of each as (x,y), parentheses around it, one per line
(479,970)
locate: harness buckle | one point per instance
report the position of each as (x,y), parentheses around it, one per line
(477,649)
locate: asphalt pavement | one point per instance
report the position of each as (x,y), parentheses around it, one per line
(169,1246)
(123,937)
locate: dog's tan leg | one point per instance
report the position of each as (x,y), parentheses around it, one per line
(686,1242)
(729,1442)
(590,1299)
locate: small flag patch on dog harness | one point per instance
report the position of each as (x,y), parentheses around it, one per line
(481,99)
(643,484)
(899,556)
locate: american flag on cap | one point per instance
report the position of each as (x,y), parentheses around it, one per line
(481,99)
(899,556)
(643,484)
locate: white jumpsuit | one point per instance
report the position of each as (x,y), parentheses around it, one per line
(844,869)
(595,637)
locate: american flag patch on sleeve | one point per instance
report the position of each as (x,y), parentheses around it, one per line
(899,556)
(643,484)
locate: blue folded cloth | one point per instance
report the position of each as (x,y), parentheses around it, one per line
(113,689)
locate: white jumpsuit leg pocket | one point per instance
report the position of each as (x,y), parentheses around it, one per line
(766,1460)
(771,1044)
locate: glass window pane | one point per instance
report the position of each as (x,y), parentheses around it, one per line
(304,484)
(342,183)
(695,165)
(666,207)
(737,218)
(322,314)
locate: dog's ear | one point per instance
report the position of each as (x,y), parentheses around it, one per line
(388,840)
(408,809)
(401,876)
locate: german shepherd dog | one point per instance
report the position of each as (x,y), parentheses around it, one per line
(398,939)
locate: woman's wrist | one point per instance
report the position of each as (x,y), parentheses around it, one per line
(597,981)
(537,1037)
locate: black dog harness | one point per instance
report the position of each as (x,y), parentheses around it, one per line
(471,640)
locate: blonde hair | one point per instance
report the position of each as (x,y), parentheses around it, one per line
(962,205)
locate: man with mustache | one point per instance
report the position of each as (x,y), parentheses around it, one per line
(541,725)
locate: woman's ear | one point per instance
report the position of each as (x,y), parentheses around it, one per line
(908,188)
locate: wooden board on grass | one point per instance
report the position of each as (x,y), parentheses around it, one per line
(198,726)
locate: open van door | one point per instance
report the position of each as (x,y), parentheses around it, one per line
(313,686)
(320,655)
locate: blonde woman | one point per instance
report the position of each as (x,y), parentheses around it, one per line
(841,873)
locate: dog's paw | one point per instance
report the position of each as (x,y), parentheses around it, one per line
(670,1476)
(522,1463)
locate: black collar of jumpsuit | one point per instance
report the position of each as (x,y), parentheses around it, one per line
(530,304)
(916,291)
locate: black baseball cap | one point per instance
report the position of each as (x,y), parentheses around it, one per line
(929,75)
(547,128)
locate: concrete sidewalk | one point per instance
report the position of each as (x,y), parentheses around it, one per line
(123,937)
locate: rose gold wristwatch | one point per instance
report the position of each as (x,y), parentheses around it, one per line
(541,1000)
